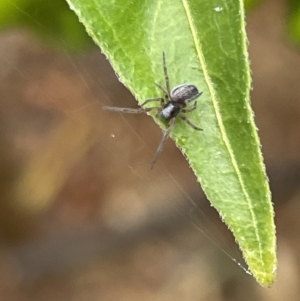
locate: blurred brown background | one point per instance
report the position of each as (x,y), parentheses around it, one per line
(81,215)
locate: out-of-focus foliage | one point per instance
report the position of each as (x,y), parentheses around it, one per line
(249,4)
(47,18)
(293,25)
(54,18)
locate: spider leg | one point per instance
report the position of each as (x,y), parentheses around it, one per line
(151,109)
(167,96)
(163,141)
(166,74)
(153,99)
(129,110)
(189,123)
(190,109)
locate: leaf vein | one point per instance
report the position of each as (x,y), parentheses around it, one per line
(220,122)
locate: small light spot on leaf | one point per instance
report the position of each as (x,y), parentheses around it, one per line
(218,9)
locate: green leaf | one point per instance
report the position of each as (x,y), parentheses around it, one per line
(205,44)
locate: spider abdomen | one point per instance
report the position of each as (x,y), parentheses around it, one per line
(185,93)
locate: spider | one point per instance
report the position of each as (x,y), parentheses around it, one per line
(172,105)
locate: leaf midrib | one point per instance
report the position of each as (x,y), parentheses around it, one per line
(220,122)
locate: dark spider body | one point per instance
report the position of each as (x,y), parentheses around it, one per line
(180,97)
(172,105)
(170,110)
